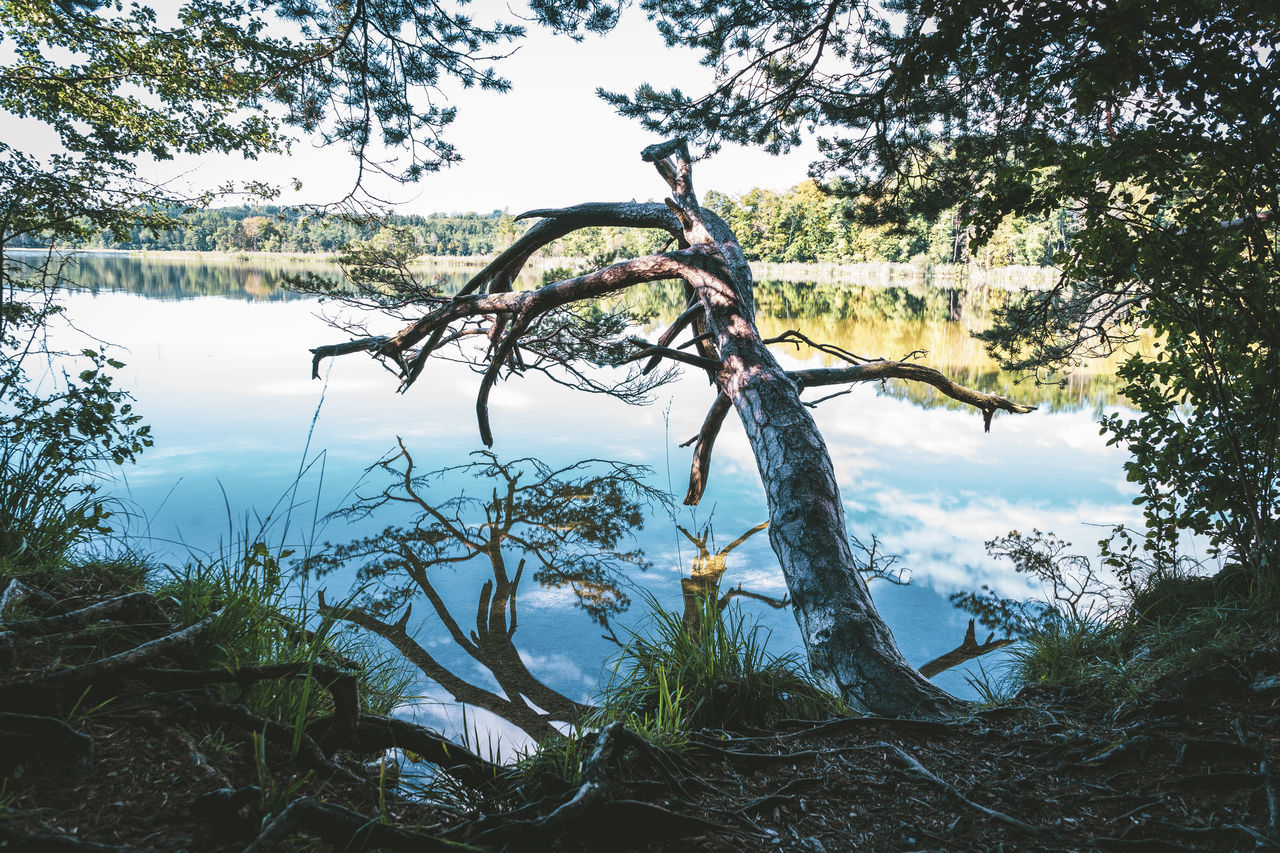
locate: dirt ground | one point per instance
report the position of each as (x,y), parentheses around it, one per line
(1188,767)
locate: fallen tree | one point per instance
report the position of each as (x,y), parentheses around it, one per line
(847,641)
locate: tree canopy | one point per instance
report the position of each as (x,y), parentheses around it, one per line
(115,85)
(1154,123)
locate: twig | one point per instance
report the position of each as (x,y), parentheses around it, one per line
(347,829)
(910,763)
(1273,799)
(781,793)
(876,371)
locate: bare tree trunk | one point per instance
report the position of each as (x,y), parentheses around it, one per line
(847,641)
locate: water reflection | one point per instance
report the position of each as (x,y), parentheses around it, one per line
(568,525)
(888,319)
(893,321)
(706,575)
(224,381)
(177,275)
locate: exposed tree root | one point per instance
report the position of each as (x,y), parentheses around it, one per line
(27,736)
(1055,770)
(131,607)
(44,690)
(911,764)
(376,734)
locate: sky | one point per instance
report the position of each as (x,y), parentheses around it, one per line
(549,142)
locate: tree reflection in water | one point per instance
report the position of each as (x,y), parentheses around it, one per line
(566,524)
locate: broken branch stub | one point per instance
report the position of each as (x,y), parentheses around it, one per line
(847,641)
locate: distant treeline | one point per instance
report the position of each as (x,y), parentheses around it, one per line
(277,229)
(802,225)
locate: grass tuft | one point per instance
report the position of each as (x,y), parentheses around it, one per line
(670,679)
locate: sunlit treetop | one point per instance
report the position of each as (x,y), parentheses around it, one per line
(116,81)
(965,99)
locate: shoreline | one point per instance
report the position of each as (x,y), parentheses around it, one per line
(865,273)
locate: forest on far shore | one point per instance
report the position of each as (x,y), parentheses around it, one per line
(802,225)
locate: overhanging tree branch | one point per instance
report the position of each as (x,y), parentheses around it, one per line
(846,639)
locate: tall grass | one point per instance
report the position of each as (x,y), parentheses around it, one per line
(47,508)
(263,618)
(668,682)
(669,679)
(53,537)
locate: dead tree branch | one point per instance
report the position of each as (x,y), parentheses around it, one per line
(968,650)
(703,443)
(874,371)
(686,318)
(659,352)
(845,637)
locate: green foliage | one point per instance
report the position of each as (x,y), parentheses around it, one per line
(1206,446)
(55,444)
(669,680)
(115,82)
(1075,595)
(1160,618)
(812,224)
(263,620)
(270,228)
(1145,130)
(802,225)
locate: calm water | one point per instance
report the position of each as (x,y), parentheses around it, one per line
(217,358)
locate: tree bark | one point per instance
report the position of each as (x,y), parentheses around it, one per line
(847,641)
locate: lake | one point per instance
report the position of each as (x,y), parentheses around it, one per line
(217,357)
